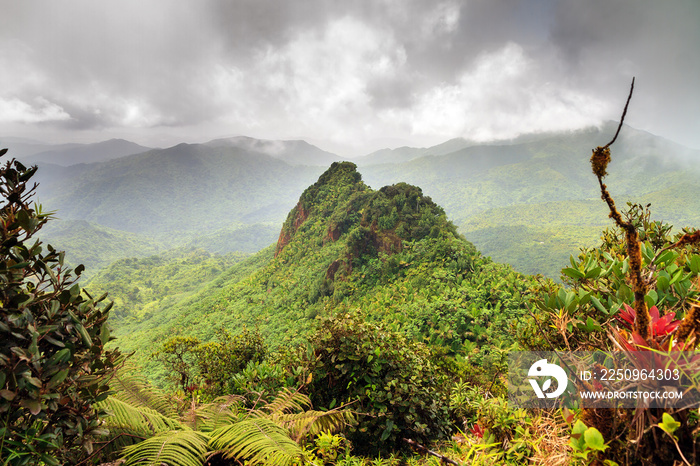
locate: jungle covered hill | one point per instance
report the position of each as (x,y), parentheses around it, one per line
(389,256)
(529,201)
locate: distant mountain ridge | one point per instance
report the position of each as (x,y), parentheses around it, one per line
(294,152)
(206,194)
(87,153)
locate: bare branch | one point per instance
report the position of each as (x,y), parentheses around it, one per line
(622,119)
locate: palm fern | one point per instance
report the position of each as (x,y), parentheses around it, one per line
(258,440)
(265,435)
(290,410)
(136,420)
(174,448)
(223,411)
(136,391)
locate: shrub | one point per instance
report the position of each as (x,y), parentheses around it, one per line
(390,378)
(54,365)
(214,363)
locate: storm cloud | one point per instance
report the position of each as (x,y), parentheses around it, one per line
(352,76)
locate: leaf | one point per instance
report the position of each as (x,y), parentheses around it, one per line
(577,441)
(60,356)
(104,333)
(593,273)
(34,406)
(135,420)
(594,439)
(84,335)
(59,377)
(695,264)
(666,258)
(669,424)
(259,441)
(567,415)
(387,431)
(572,273)
(597,304)
(21,265)
(175,448)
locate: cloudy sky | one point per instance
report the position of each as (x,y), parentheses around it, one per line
(350,76)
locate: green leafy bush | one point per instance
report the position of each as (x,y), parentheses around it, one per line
(219,360)
(390,378)
(54,366)
(212,364)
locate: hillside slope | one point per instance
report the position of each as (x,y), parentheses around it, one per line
(389,254)
(188,188)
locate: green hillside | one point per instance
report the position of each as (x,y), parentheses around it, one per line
(186,189)
(389,255)
(537,238)
(534,203)
(138,286)
(94,245)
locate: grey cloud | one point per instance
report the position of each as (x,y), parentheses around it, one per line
(238,66)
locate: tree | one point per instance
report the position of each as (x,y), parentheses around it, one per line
(177,355)
(53,361)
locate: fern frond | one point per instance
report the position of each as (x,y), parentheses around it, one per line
(287,401)
(136,391)
(256,440)
(314,422)
(136,420)
(223,411)
(174,448)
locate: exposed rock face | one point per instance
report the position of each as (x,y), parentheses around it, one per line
(300,216)
(333,268)
(333,233)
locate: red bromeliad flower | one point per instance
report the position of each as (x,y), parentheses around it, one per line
(660,326)
(477,430)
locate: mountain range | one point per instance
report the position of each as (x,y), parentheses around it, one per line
(531,201)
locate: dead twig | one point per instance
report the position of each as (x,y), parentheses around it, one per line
(421,449)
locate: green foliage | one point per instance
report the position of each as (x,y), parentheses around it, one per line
(177,355)
(96,246)
(598,286)
(262,379)
(162,192)
(53,335)
(536,238)
(213,364)
(259,440)
(177,448)
(501,424)
(218,361)
(268,434)
(393,381)
(586,442)
(640,262)
(327,449)
(138,286)
(669,425)
(159,195)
